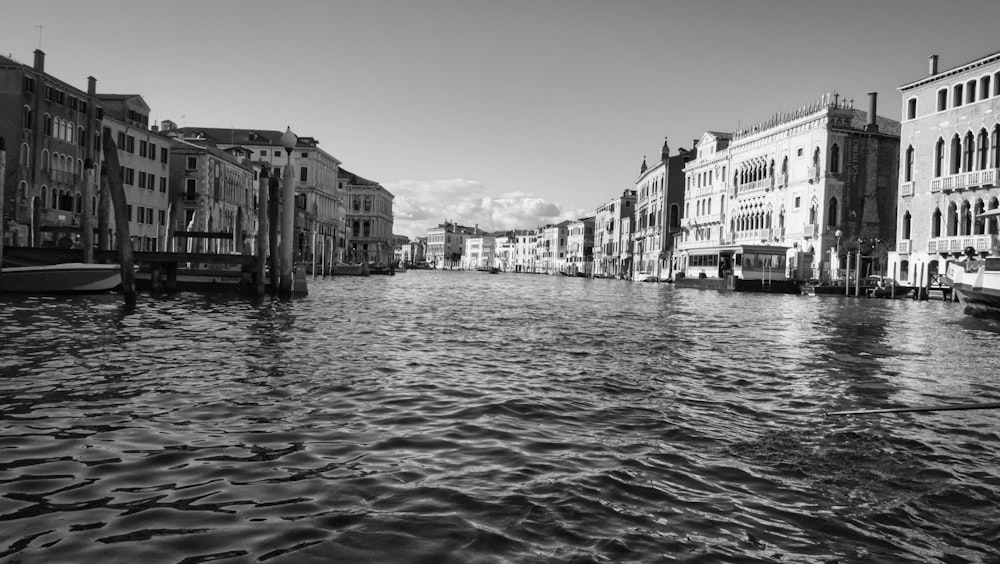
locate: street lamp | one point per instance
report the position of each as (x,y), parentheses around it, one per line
(838,234)
(288,141)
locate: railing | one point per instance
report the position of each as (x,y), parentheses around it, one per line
(753,235)
(810,230)
(981,243)
(904,246)
(906,189)
(964,180)
(813,173)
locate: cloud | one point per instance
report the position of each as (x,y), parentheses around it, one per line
(422,204)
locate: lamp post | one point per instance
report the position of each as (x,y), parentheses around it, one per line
(838,234)
(288,141)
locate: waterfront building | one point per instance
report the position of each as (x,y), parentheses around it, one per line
(213,194)
(369,217)
(506,247)
(446,243)
(787,198)
(948,163)
(611,238)
(320,196)
(580,246)
(550,255)
(144,161)
(659,196)
(479,252)
(400,249)
(51,129)
(524,253)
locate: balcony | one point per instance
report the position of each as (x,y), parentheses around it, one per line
(904,246)
(810,230)
(755,235)
(963,180)
(981,243)
(906,189)
(813,173)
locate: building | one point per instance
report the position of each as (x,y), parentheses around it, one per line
(550,253)
(51,129)
(580,246)
(612,241)
(950,154)
(369,219)
(523,257)
(480,252)
(213,197)
(446,243)
(789,197)
(659,196)
(144,160)
(320,197)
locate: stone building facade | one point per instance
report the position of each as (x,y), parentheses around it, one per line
(612,239)
(948,166)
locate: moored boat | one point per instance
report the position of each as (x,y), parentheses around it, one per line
(976,282)
(72,277)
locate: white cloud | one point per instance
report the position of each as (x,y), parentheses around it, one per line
(422,204)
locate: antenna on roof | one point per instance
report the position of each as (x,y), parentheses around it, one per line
(39,35)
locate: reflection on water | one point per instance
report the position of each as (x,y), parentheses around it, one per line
(459,417)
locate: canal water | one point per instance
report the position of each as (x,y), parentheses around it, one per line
(463,417)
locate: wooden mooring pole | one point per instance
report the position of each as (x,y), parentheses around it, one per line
(262,230)
(113,174)
(3,177)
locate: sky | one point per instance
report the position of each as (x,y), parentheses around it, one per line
(505,114)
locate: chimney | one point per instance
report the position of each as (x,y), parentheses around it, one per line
(932,65)
(872,100)
(39,60)
(91,86)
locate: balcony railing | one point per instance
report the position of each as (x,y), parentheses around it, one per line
(813,173)
(810,230)
(904,245)
(906,189)
(963,180)
(981,243)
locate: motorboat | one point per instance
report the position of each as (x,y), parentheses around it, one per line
(71,277)
(976,282)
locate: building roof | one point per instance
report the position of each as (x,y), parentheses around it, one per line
(991,58)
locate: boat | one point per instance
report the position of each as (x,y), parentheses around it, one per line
(885,287)
(70,277)
(976,283)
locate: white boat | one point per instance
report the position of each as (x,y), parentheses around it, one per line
(74,277)
(976,281)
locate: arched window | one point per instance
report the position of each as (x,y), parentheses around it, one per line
(47,124)
(978,223)
(55,200)
(965,219)
(952,224)
(25,156)
(675,219)
(939,158)
(45,196)
(936,223)
(835,158)
(356,228)
(995,144)
(969,151)
(367,229)
(908,165)
(78,208)
(833,217)
(26,117)
(45,160)
(70,128)
(991,223)
(906,225)
(812,214)
(982,150)
(956,155)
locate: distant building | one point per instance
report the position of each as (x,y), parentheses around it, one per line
(446,244)
(612,238)
(369,218)
(551,248)
(787,198)
(144,158)
(51,130)
(320,199)
(523,257)
(950,154)
(580,246)
(659,196)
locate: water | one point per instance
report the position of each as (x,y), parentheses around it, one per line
(462,417)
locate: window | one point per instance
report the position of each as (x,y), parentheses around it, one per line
(26,117)
(984,87)
(277,153)
(911,108)
(835,158)
(798,202)
(799,152)
(939,158)
(47,124)
(833,216)
(906,225)
(192,163)
(130,144)
(956,155)
(970,92)
(29,84)
(121,139)
(908,165)
(942,100)
(305,155)
(303,173)
(152,151)
(143,148)
(163,185)
(982,150)
(190,188)
(956,97)
(969,148)
(164,155)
